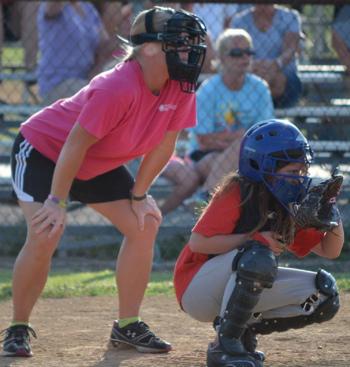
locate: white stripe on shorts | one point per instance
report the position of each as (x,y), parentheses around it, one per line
(21,163)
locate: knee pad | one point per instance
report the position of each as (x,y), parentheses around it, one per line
(325,311)
(256,263)
(326,283)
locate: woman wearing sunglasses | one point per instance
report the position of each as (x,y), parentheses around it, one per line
(228,104)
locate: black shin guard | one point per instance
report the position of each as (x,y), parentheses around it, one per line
(256,268)
(325,311)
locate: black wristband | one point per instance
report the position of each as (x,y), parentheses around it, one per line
(138,198)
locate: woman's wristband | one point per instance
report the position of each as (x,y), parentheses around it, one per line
(60,202)
(138,198)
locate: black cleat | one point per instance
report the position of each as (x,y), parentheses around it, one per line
(17,341)
(139,336)
(217,357)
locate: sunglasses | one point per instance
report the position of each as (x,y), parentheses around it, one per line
(239,52)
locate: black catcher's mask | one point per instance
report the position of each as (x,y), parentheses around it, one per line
(183,41)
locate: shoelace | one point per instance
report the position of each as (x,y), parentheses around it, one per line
(147,331)
(14,330)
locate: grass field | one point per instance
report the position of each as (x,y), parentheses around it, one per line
(97,283)
(63,284)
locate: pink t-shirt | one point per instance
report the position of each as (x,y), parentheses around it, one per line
(118,108)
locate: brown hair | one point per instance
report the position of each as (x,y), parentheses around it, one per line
(282,222)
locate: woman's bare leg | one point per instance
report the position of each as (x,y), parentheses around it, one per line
(135,257)
(32,266)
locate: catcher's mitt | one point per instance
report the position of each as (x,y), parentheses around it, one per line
(319,209)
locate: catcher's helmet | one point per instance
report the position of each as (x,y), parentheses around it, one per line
(268,146)
(183,33)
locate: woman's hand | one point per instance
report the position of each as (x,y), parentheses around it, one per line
(274,242)
(148,206)
(50,217)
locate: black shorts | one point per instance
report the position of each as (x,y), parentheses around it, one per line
(32,176)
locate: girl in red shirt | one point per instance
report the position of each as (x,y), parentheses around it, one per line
(228,273)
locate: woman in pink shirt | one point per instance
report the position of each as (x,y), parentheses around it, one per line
(77,148)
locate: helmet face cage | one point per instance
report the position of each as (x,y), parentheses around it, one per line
(183,41)
(287,188)
(270,145)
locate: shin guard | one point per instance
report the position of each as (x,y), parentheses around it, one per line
(256,269)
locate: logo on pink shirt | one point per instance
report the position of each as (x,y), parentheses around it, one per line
(167,107)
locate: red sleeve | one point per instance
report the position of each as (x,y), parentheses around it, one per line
(305,240)
(221,214)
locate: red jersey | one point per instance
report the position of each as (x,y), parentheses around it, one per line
(220,218)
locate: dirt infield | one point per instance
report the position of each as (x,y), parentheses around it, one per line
(74,333)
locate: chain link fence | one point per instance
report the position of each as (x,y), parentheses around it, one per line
(263,60)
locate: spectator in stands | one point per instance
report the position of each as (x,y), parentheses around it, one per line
(341,36)
(217,17)
(78,148)
(116,16)
(21,22)
(74,47)
(276,33)
(228,103)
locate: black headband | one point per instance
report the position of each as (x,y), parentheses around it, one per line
(150,35)
(149,21)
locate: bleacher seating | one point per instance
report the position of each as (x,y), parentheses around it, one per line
(327,151)
(315,74)
(314,111)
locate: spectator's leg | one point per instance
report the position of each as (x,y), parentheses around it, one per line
(277,84)
(64,90)
(291,94)
(27,11)
(116,18)
(273,76)
(1,35)
(185,179)
(204,165)
(342,50)
(222,164)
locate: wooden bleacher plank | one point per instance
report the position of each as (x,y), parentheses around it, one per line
(320,77)
(310,74)
(314,111)
(330,146)
(304,68)
(340,101)
(20,109)
(23,76)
